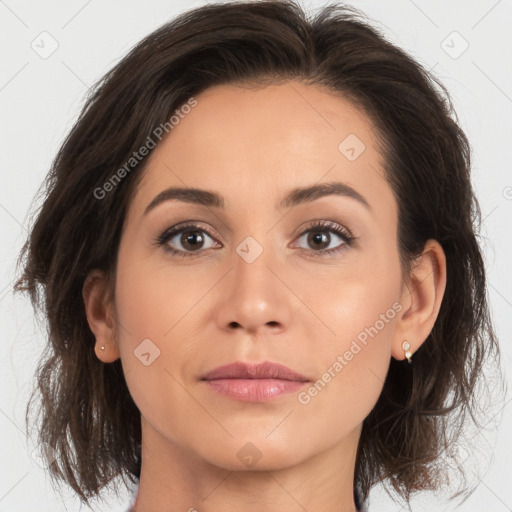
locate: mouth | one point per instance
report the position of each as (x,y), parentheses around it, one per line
(254,383)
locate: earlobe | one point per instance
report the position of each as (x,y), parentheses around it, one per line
(100,316)
(423,295)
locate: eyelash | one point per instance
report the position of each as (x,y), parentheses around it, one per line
(344,234)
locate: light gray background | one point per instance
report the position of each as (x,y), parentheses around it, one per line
(40,99)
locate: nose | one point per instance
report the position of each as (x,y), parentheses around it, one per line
(255,297)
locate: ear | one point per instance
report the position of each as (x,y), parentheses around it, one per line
(99,309)
(421,299)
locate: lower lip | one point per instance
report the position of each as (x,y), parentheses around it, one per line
(255,390)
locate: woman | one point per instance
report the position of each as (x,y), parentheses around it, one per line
(259,265)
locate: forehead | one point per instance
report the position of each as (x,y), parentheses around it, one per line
(262,142)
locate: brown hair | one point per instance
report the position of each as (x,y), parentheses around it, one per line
(88,415)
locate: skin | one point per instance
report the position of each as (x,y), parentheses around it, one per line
(289,306)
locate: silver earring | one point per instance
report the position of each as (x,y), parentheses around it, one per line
(406,346)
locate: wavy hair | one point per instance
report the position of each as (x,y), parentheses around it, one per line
(87,414)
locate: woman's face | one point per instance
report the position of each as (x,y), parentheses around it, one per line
(249,282)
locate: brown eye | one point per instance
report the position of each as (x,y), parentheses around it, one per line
(192,240)
(318,239)
(185,240)
(324,238)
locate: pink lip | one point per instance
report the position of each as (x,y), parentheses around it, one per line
(254,383)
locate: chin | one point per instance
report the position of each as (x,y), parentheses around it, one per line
(253,454)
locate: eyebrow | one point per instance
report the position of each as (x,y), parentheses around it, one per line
(295,197)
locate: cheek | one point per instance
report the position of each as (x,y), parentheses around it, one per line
(151,299)
(352,364)
(358,314)
(357,302)
(157,307)
(149,313)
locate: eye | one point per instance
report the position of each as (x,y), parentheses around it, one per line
(184,240)
(318,236)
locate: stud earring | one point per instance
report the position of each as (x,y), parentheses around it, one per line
(102,347)
(406,346)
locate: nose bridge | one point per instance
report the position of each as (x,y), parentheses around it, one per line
(257,245)
(251,262)
(254,296)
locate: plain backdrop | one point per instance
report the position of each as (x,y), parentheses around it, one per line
(42,87)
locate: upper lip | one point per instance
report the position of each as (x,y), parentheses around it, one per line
(265,370)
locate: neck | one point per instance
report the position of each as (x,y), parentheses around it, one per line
(175,479)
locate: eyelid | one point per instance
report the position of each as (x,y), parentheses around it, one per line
(325,224)
(192,224)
